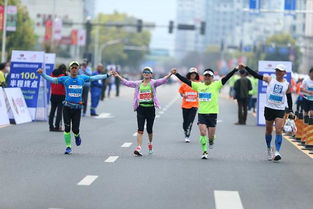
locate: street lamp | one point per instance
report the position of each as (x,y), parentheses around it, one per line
(109,43)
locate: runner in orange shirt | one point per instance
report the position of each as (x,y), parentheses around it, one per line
(189,102)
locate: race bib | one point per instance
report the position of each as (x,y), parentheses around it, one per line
(275,99)
(74,94)
(145,96)
(205,97)
(191,97)
(310,97)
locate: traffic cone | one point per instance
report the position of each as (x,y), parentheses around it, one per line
(305,129)
(300,126)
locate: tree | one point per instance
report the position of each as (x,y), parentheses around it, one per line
(24,37)
(127,36)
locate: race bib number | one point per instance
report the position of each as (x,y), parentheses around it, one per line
(205,97)
(275,99)
(145,96)
(74,94)
(191,97)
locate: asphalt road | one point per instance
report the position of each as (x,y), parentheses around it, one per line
(35,174)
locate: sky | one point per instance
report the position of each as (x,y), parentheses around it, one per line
(158,11)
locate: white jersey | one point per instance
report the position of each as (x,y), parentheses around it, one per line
(307,84)
(276,94)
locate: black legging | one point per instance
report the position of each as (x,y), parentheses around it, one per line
(85,98)
(242,110)
(143,114)
(188,117)
(71,116)
(56,104)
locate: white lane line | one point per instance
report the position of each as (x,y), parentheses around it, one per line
(111,159)
(127,144)
(227,200)
(104,115)
(87,180)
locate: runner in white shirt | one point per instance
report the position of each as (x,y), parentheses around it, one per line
(278,94)
(307,89)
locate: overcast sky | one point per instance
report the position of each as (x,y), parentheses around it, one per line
(158,11)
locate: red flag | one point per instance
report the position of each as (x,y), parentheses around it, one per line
(1,17)
(48,32)
(74,37)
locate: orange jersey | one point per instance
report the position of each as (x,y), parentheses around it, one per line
(190,98)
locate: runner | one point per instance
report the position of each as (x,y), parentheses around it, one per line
(189,102)
(208,92)
(277,90)
(307,89)
(73,100)
(145,102)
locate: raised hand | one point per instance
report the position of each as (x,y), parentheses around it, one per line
(241,66)
(173,71)
(40,71)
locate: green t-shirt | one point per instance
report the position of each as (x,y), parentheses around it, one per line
(145,95)
(208,96)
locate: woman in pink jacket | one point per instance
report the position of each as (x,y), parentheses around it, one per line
(145,102)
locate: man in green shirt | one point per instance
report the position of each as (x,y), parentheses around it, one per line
(208,92)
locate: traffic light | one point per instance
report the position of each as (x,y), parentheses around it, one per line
(202,28)
(171,27)
(139,25)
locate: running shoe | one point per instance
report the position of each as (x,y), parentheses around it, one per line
(277,156)
(187,140)
(137,151)
(68,151)
(204,155)
(270,154)
(150,148)
(78,140)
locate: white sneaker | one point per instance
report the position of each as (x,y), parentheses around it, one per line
(270,154)
(204,155)
(187,140)
(277,156)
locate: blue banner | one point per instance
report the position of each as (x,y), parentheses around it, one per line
(254,4)
(24,76)
(290,5)
(49,69)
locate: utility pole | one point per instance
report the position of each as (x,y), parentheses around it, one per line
(4,31)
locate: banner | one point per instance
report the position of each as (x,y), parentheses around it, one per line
(24,65)
(81,37)
(74,37)
(11,18)
(290,5)
(268,68)
(4,118)
(1,17)
(57,29)
(48,30)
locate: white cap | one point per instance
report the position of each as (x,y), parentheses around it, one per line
(147,68)
(193,70)
(281,67)
(208,72)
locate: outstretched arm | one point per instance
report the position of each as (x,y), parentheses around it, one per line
(230,74)
(255,74)
(159,82)
(100,76)
(289,99)
(125,82)
(45,76)
(183,79)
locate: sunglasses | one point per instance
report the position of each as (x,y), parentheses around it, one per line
(146,72)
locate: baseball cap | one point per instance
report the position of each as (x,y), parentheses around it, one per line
(73,63)
(193,70)
(280,68)
(147,69)
(208,72)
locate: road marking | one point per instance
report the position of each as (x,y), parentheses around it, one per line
(104,115)
(87,180)
(127,144)
(227,200)
(111,159)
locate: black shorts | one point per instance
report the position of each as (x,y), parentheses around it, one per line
(271,114)
(307,105)
(208,119)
